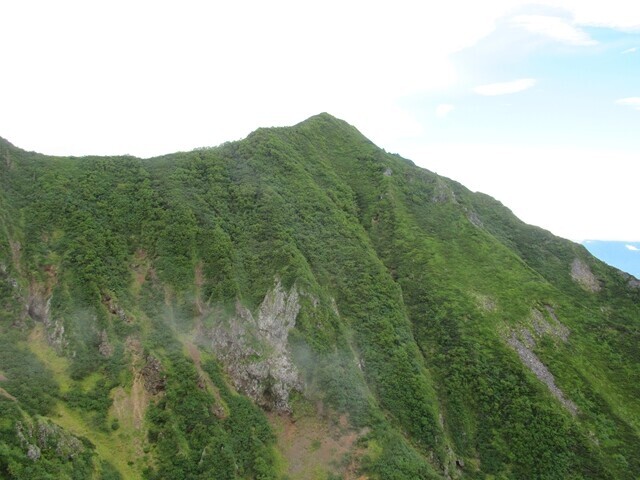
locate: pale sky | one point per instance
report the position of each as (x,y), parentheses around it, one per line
(535,103)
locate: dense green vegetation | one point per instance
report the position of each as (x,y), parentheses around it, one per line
(115,273)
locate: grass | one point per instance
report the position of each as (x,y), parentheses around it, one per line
(108,446)
(57,364)
(115,448)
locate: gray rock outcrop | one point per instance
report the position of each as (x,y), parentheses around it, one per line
(524,340)
(551,327)
(105,348)
(541,371)
(581,273)
(443,193)
(632,282)
(41,436)
(39,309)
(153,375)
(254,350)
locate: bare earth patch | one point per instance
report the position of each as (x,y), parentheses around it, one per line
(130,407)
(314,447)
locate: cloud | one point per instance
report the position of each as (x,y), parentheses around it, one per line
(444,109)
(273,67)
(633,248)
(633,102)
(505,88)
(630,50)
(554,27)
(617,14)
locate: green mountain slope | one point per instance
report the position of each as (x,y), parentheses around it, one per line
(300,304)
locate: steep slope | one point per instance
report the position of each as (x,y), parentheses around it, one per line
(300,304)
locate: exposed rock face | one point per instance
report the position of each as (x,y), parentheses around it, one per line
(105,348)
(541,371)
(153,374)
(115,309)
(33,452)
(39,309)
(255,350)
(582,274)
(524,340)
(442,193)
(474,219)
(55,335)
(553,328)
(4,276)
(632,281)
(41,435)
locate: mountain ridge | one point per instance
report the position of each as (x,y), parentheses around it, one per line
(298,284)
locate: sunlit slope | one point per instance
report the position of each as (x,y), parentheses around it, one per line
(305,273)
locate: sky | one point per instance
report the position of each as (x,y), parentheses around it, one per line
(535,103)
(623,255)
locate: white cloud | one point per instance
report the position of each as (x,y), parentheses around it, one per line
(633,102)
(182,75)
(633,248)
(556,28)
(617,14)
(444,109)
(631,50)
(505,88)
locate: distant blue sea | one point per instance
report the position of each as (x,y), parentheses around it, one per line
(622,255)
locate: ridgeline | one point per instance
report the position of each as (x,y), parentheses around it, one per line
(301,304)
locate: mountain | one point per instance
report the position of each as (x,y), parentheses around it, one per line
(301,304)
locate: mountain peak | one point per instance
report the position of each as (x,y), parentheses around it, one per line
(301,287)
(325,119)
